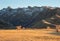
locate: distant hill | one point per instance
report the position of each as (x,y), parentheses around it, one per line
(30,17)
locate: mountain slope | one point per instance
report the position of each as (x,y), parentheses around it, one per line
(31,17)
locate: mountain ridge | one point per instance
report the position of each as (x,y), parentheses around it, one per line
(30,17)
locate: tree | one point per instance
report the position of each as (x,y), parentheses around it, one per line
(57,28)
(18,27)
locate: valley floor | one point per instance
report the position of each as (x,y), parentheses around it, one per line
(29,35)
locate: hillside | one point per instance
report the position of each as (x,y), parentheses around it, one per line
(31,17)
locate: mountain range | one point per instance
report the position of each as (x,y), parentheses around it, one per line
(29,17)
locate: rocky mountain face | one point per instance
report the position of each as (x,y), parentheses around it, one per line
(30,17)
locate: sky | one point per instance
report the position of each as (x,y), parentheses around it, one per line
(25,3)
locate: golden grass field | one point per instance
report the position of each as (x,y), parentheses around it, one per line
(29,35)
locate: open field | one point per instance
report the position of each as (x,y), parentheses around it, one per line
(29,35)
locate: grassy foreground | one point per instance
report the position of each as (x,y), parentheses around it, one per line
(29,35)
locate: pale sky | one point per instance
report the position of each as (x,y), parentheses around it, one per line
(25,3)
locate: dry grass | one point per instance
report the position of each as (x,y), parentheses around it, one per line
(29,35)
